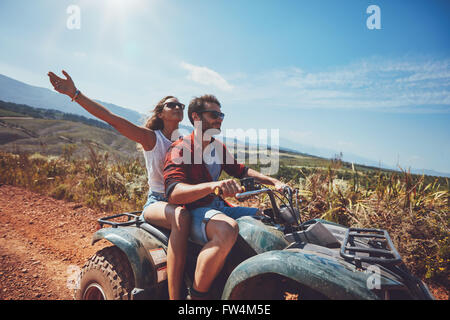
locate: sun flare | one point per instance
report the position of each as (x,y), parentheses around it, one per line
(118,9)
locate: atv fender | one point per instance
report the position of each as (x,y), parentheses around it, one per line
(135,243)
(260,237)
(321,274)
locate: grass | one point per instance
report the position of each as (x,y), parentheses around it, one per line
(414,209)
(97,181)
(8,113)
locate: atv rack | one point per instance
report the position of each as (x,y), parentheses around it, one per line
(382,249)
(133,219)
(130,215)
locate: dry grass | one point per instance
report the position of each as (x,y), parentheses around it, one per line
(98,182)
(414,210)
(415,213)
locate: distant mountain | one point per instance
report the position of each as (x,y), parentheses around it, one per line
(10,109)
(12,90)
(328,153)
(430,173)
(352,158)
(21,93)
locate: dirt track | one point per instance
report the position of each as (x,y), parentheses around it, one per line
(43,240)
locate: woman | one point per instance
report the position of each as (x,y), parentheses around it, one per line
(155,139)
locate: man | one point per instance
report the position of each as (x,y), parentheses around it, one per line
(191,172)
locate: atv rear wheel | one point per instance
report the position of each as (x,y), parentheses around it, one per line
(106,276)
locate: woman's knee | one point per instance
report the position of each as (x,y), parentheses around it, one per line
(152,212)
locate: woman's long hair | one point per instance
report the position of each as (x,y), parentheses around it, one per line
(154,122)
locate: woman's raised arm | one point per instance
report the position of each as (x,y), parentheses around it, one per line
(146,137)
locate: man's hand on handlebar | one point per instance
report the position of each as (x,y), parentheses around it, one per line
(230,188)
(280,186)
(227,188)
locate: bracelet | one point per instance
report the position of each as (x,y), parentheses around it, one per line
(76,95)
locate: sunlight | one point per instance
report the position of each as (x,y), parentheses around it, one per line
(117,14)
(122,7)
(119,10)
(115,17)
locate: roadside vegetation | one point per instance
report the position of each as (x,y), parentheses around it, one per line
(83,160)
(414,209)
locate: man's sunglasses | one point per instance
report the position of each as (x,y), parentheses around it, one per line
(214,114)
(173,105)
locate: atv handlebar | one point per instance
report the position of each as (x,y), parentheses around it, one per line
(251,193)
(277,214)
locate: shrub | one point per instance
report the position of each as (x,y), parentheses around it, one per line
(413,209)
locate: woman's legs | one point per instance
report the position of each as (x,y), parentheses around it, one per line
(178,220)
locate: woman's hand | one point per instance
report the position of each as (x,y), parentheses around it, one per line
(64,86)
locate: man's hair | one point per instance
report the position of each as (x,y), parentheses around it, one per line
(199,103)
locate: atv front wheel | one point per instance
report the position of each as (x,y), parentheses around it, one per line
(106,276)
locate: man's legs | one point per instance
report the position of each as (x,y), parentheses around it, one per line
(222,232)
(217,228)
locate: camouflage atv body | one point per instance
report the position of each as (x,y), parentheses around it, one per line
(270,260)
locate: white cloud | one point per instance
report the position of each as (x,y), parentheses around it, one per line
(206,76)
(370,83)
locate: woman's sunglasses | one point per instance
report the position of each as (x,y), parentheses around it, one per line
(214,114)
(173,105)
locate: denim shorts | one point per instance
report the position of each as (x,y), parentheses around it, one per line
(201,216)
(152,198)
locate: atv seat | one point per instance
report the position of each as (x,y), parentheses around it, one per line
(159,233)
(136,219)
(163,235)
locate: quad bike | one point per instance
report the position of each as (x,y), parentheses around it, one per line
(274,257)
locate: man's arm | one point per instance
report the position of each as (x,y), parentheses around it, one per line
(184,193)
(233,168)
(178,188)
(176,176)
(261,178)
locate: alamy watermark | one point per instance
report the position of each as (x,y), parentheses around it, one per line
(73,277)
(374,20)
(374,279)
(251,145)
(74,19)
(73,22)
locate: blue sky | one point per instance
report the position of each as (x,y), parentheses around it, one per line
(311,69)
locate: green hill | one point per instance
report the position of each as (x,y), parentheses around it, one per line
(32,130)
(24,129)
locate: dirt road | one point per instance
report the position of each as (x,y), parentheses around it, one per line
(43,241)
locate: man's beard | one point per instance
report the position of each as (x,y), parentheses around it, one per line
(212,129)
